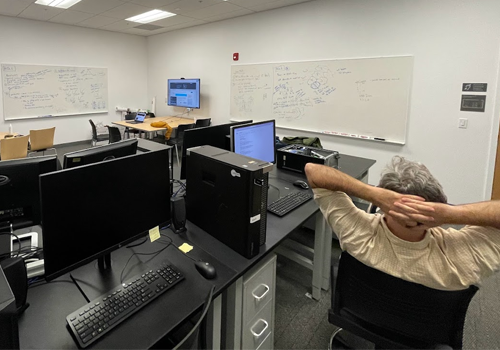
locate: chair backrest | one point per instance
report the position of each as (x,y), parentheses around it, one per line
(181,128)
(94,130)
(14,147)
(130,116)
(114,134)
(394,313)
(42,139)
(202,122)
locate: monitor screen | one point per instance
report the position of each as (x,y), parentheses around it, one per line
(98,154)
(183,93)
(19,190)
(215,135)
(256,140)
(91,210)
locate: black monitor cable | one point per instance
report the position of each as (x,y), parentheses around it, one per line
(208,302)
(9,254)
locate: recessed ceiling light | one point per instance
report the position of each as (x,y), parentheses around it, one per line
(64,4)
(150,16)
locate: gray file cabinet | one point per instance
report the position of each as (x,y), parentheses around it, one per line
(250,324)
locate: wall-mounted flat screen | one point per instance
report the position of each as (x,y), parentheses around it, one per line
(183,93)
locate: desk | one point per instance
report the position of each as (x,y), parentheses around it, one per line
(43,324)
(174,122)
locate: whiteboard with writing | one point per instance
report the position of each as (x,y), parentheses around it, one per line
(365,98)
(33,91)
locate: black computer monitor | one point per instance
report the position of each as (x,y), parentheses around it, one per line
(19,190)
(98,154)
(215,135)
(256,140)
(91,210)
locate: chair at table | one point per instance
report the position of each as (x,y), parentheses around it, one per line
(14,147)
(114,134)
(96,137)
(179,138)
(202,122)
(128,117)
(41,141)
(393,313)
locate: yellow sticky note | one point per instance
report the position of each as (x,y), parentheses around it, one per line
(185,248)
(154,233)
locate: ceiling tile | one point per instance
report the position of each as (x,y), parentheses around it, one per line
(213,10)
(248,3)
(40,12)
(13,7)
(126,10)
(71,17)
(237,13)
(153,3)
(275,4)
(183,6)
(172,21)
(98,21)
(96,6)
(182,25)
(119,25)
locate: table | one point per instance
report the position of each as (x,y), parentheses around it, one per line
(43,323)
(174,122)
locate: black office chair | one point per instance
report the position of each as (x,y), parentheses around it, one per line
(95,137)
(202,122)
(114,134)
(178,139)
(393,313)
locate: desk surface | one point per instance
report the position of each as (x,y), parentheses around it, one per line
(43,324)
(146,126)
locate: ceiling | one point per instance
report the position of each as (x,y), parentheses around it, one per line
(110,14)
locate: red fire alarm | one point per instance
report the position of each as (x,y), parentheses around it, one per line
(236,56)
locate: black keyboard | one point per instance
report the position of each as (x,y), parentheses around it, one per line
(101,315)
(287,203)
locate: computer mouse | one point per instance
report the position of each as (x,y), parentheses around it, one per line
(301,183)
(205,269)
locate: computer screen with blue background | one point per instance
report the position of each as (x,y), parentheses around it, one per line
(183,93)
(256,140)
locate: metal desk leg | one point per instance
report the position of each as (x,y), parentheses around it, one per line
(327,255)
(214,319)
(319,249)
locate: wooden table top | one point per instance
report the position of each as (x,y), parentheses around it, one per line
(146,126)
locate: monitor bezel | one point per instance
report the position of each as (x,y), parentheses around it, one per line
(198,82)
(236,127)
(96,150)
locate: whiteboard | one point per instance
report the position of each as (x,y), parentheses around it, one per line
(34,91)
(366,98)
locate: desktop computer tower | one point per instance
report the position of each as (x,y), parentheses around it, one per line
(227,197)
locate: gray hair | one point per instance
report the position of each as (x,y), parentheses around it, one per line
(407,177)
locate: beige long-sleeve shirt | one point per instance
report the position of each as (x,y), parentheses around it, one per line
(446,259)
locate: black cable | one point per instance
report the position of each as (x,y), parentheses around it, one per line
(18,240)
(138,244)
(202,317)
(172,243)
(135,253)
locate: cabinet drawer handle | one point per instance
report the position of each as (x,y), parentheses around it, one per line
(263,294)
(256,335)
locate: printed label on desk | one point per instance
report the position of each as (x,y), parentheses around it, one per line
(254,218)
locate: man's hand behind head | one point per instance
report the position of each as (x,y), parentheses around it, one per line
(422,214)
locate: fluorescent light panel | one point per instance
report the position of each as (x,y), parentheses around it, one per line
(150,16)
(64,4)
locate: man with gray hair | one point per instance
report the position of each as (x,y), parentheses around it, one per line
(407,240)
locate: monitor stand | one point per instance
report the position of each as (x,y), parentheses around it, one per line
(102,275)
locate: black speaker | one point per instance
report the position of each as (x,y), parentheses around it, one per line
(17,276)
(178,214)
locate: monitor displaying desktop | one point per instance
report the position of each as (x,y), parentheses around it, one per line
(183,93)
(215,135)
(19,190)
(98,154)
(89,211)
(256,140)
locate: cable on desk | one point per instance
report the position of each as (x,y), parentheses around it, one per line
(172,243)
(276,188)
(18,240)
(208,302)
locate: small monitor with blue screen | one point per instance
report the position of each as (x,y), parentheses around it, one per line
(256,140)
(183,93)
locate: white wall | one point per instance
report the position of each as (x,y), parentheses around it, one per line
(33,42)
(453,41)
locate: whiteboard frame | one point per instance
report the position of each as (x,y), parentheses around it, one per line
(5,118)
(374,139)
